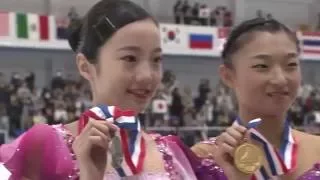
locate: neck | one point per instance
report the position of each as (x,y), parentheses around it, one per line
(271,126)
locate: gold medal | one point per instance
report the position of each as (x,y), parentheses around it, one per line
(248,158)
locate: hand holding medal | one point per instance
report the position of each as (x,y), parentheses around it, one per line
(224,155)
(127,146)
(260,158)
(248,157)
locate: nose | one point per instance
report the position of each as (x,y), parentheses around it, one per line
(278,77)
(144,73)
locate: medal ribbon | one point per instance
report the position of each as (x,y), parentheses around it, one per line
(132,142)
(278,163)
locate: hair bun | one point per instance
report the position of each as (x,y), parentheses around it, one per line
(74,30)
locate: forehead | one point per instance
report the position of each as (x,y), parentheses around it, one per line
(143,33)
(270,44)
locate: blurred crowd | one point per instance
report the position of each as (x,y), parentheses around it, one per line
(175,105)
(22,104)
(200,14)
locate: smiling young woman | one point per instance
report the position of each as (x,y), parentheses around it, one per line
(261,65)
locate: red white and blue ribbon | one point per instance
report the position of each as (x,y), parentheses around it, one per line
(132,142)
(278,163)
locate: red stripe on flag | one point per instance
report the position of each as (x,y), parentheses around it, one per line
(4,21)
(200,45)
(44,27)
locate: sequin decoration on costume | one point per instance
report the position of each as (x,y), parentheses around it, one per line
(69,139)
(167,159)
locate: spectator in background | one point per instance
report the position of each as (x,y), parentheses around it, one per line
(15,80)
(228,19)
(269,16)
(204,15)
(30,80)
(57,81)
(186,12)
(60,114)
(195,14)
(14,114)
(176,109)
(177,12)
(72,14)
(259,13)
(4,91)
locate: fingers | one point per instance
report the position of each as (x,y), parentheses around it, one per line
(105,127)
(229,140)
(98,141)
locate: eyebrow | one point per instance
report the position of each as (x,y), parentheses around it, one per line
(136,48)
(268,57)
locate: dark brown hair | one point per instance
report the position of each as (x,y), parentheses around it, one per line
(244,32)
(100,23)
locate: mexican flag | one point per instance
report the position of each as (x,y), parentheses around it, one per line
(32,26)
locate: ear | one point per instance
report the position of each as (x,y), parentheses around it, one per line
(227,75)
(85,68)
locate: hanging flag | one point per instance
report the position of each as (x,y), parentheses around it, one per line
(200,41)
(62,24)
(4,21)
(159,106)
(22,24)
(171,35)
(44,27)
(32,26)
(310,42)
(223,33)
(204,12)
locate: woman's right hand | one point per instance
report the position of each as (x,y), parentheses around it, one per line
(226,144)
(91,148)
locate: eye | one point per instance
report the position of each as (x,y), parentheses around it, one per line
(260,66)
(158,59)
(129,58)
(293,64)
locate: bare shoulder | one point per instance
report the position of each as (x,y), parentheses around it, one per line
(309,141)
(303,136)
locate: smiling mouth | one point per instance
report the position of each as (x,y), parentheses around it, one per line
(142,94)
(278,94)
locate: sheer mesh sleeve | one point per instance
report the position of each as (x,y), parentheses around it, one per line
(40,153)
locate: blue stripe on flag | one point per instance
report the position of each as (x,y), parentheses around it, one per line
(105,110)
(120,172)
(201,37)
(269,157)
(311,42)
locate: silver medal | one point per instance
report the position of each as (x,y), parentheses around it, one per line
(116,152)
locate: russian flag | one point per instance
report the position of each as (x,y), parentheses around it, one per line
(311,42)
(200,41)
